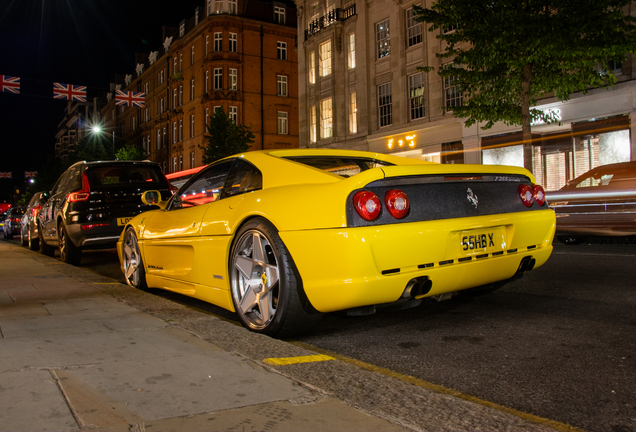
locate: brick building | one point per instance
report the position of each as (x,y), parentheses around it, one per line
(238,56)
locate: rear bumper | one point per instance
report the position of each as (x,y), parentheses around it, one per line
(99,237)
(352,267)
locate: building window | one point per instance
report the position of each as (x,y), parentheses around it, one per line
(279,15)
(191,159)
(174,98)
(282,85)
(207,44)
(207,117)
(192,89)
(181,130)
(164,138)
(312,68)
(233,115)
(312,124)
(233,77)
(218,42)
(210,10)
(451,28)
(174,164)
(207,81)
(382,38)
(174,132)
(351,51)
(232,5)
(164,166)
(180,163)
(180,95)
(218,6)
(282,123)
(147,115)
(385,104)
(452,96)
(158,139)
(353,113)
(413,29)
(325,58)
(233,42)
(326,119)
(192,126)
(180,62)
(281,50)
(192,55)
(218,108)
(416,95)
(218,79)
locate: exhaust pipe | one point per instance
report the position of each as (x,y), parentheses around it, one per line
(526,264)
(417,287)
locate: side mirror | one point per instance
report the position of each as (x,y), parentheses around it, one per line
(153,197)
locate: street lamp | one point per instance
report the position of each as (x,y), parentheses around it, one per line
(98,129)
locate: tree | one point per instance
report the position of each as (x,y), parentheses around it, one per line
(131,152)
(225,138)
(506,54)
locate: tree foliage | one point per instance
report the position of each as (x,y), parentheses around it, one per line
(225,138)
(131,152)
(506,54)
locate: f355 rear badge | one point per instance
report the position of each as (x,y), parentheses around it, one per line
(472,198)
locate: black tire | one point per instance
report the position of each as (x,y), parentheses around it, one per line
(571,240)
(32,243)
(69,253)
(278,306)
(132,262)
(45,249)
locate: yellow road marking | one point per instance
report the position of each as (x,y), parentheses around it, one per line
(440,389)
(295,360)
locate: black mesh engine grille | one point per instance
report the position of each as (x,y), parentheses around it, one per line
(446,197)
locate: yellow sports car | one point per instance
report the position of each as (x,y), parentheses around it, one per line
(284,236)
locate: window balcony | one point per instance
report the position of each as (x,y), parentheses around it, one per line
(325,21)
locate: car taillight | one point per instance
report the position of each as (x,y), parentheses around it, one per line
(15,219)
(367,204)
(82,194)
(397,203)
(91,226)
(539,194)
(525,193)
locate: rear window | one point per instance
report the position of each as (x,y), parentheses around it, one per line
(124,175)
(345,167)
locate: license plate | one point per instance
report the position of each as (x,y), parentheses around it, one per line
(123,221)
(482,240)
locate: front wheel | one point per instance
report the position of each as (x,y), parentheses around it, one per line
(131,261)
(266,287)
(69,253)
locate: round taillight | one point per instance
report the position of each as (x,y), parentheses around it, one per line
(525,193)
(539,194)
(397,203)
(367,204)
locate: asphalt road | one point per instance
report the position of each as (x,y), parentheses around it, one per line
(559,343)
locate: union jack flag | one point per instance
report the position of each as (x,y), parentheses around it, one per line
(69,92)
(10,84)
(130,98)
(28,174)
(5,175)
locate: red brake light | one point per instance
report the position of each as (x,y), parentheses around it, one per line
(525,193)
(367,204)
(82,194)
(539,194)
(397,203)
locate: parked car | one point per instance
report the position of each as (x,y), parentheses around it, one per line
(92,201)
(601,202)
(29,235)
(283,236)
(12,222)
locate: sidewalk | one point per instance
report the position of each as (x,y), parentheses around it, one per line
(79,352)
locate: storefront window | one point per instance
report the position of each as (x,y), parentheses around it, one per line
(511,155)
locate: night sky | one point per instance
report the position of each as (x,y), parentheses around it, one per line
(80,42)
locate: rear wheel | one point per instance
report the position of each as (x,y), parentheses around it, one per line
(131,261)
(266,287)
(69,253)
(34,243)
(45,249)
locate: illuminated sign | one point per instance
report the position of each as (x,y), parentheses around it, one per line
(401,142)
(555,113)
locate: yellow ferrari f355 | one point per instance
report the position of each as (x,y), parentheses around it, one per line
(283,236)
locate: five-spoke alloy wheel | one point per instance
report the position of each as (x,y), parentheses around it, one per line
(133,264)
